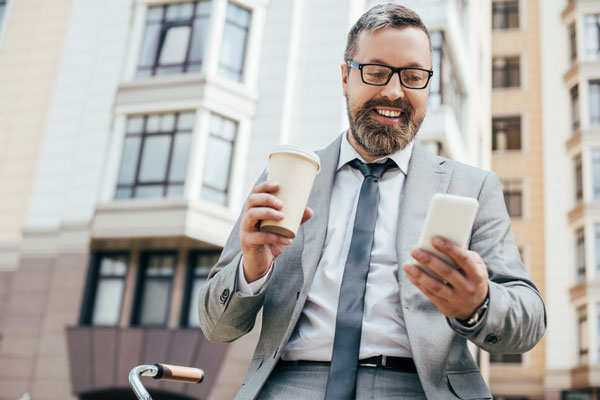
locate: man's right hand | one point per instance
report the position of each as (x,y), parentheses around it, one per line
(259,249)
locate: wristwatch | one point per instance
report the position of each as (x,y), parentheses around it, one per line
(477,314)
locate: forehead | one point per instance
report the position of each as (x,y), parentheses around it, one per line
(393,46)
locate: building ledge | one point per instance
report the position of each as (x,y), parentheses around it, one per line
(584,376)
(101,357)
(144,218)
(580,68)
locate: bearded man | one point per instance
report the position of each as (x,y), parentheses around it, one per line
(388,331)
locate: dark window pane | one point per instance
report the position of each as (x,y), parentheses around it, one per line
(506,133)
(578,180)
(129,160)
(506,358)
(150,45)
(158,274)
(573,41)
(198,40)
(583,335)
(108,294)
(513,198)
(201,265)
(505,14)
(506,72)
(580,254)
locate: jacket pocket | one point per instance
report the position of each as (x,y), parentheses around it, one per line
(255,364)
(468,385)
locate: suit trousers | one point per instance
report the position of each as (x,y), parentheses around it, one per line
(308,382)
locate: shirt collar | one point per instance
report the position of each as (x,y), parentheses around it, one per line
(401,157)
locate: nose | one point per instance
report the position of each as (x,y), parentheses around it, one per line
(394,89)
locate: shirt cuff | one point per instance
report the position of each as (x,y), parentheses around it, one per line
(252,288)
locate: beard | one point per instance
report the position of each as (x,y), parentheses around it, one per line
(380,139)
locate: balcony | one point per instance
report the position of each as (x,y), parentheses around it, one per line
(100,359)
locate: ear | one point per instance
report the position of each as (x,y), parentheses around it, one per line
(345,71)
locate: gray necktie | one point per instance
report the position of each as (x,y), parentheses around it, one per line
(341,382)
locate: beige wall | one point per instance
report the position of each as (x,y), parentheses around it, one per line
(30,50)
(526,379)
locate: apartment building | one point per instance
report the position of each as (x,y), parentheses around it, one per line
(517,157)
(130,134)
(571,102)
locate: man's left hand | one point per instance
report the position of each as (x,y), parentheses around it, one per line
(463,289)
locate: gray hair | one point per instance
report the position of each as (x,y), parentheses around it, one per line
(383,16)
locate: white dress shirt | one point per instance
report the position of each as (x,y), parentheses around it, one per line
(383,329)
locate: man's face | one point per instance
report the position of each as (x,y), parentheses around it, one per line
(375,132)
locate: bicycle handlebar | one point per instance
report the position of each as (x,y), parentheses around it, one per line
(166,372)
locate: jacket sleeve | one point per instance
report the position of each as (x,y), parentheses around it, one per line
(224,314)
(516,318)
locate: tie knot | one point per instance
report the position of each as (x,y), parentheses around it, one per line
(372,169)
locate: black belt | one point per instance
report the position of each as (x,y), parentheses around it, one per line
(401,364)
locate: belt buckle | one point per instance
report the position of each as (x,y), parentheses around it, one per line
(383,361)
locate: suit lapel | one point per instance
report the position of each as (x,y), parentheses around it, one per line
(427,175)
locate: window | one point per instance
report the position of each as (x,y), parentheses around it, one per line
(578,180)
(596,172)
(444,85)
(2,10)
(506,133)
(595,103)
(597,251)
(575,108)
(580,255)
(155,156)
(506,72)
(592,36)
(505,14)
(513,197)
(104,289)
(582,334)
(153,292)
(573,41)
(219,155)
(235,35)
(174,38)
(506,358)
(200,265)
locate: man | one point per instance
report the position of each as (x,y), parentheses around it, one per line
(388,330)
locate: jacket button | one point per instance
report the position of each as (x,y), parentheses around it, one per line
(224,296)
(492,339)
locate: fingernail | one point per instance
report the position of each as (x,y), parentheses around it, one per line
(416,253)
(439,241)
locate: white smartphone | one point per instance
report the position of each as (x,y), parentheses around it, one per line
(450,217)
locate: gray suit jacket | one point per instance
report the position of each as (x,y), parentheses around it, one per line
(514,322)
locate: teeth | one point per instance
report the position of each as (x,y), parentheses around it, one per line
(389,113)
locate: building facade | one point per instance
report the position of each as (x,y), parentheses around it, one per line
(131,132)
(517,158)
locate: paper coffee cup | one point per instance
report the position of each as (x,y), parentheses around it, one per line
(295,168)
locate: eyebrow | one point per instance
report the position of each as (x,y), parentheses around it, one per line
(380,61)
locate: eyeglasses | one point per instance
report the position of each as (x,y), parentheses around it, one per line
(380,75)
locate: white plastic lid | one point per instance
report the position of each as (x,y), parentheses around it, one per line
(299,151)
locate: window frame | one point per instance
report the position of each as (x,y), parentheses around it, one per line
(582,331)
(505,13)
(189,284)
(91,285)
(166,183)
(575,100)
(507,119)
(505,71)
(140,286)
(580,256)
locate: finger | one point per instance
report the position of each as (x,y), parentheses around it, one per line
(259,238)
(446,271)
(461,257)
(308,214)
(428,284)
(256,214)
(263,200)
(266,187)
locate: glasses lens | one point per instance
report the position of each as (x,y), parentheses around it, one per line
(375,74)
(414,78)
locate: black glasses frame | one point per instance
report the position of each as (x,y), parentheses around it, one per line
(394,70)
